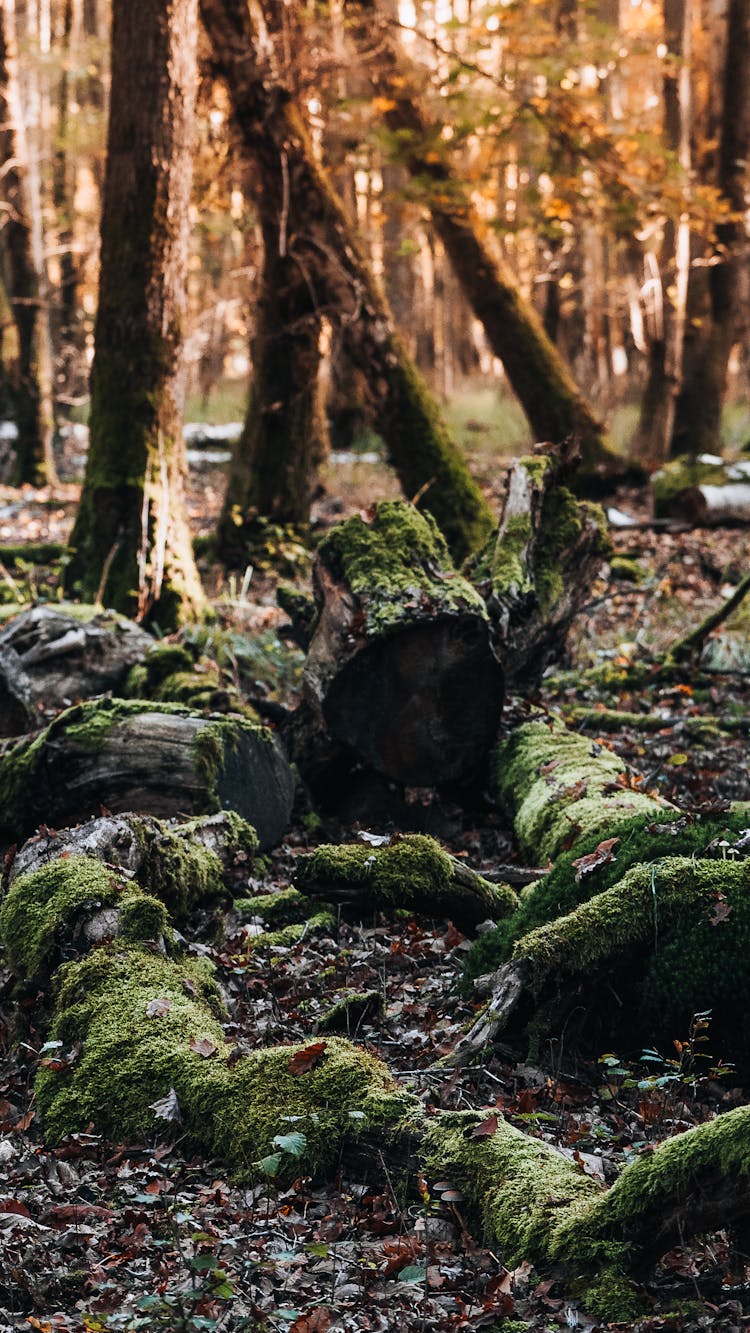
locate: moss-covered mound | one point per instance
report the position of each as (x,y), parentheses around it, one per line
(641,839)
(170,673)
(43,912)
(669,940)
(411,872)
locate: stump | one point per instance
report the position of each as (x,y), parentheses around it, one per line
(400,670)
(51,657)
(157,759)
(536,572)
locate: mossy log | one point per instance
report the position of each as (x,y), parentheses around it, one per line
(668,940)
(411,872)
(400,671)
(704,490)
(559,787)
(157,759)
(51,657)
(140,1039)
(537,572)
(185,864)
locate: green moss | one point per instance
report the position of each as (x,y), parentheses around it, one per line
(351,1010)
(163,660)
(288,936)
(681,475)
(508,572)
(129,1060)
(642,839)
(182,872)
(627,567)
(559,786)
(399,557)
(287,907)
(412,872)
(658,941)
(41,910)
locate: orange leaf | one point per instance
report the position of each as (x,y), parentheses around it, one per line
(302,1061)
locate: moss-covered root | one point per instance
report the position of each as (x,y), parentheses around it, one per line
(153,758)
(527,1197)
(668,940)
(536,1205)
(559,787)
(693,1183)
(68,906)
(149,1026)
(183,864)
(411,872)
(169,673)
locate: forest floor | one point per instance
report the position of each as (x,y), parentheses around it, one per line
(98,1236)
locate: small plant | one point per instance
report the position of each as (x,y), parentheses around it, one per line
(661,1079)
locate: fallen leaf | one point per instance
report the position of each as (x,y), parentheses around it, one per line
(302,1061)
(315,1321)
(158,1008)
(720,911)
(167,1108)
(603,855)
(484,1130)
(203,1046)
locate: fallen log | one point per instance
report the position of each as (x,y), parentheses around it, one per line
(157,759)
(411,872)
(140,1041)
(705,491)
(536,573)
(50,657)
(183,864)
(400,672)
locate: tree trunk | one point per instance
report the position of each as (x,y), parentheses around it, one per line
(156,759)
(24,274)
(556,409)
(420,447)
(131,542)
(715,307)
(390,601)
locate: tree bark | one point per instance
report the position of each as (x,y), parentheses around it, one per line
(131,542)
(24,274)
(326,249)
(389,600)
(150,758)
(556,409)
(51,657)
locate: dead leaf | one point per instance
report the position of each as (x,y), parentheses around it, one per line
(603,855)
(167,1108)
(484,1130)
(720,910)
(158,1008)
(302,1061)
(315,1321)
(203,1046)
(190,988)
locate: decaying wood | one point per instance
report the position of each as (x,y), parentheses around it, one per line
(51,657)
(400,671)
(148,758)
(536,573)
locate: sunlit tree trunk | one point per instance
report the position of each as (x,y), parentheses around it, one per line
(556,409)
(130,546)
(717,302)
(326,247)
(23,270)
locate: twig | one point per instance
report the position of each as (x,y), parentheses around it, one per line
(691,644)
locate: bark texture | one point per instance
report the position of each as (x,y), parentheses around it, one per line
(50,657)
(157,759)
(322,243)
(390,602)
(24,275)
(131,543)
